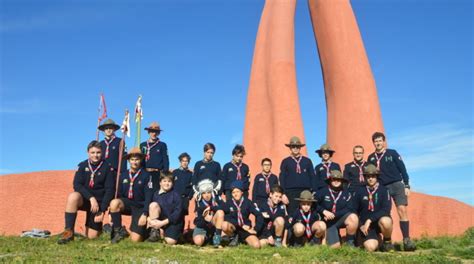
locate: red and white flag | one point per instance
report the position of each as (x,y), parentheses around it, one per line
(102,108)
(126,124)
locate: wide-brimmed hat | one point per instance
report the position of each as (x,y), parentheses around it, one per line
(306,196)
(325,148)
(109,123)
(295,142)
(335,175)
(135,152)
(371,170)
(154,127)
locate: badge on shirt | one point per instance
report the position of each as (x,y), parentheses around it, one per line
(231,209)
(202,167)
(139,182)
(353,166)
(327,198)
(99,173)
(113,147)
(321,168)
(304,170)
(86,169)
(388,158)
(230,169)
(290,220)
(261,179)
(365,198)
(372,158)
(158,150)
(125,181)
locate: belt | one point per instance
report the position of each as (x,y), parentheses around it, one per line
(152,169)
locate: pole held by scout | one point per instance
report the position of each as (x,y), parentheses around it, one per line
(125,132)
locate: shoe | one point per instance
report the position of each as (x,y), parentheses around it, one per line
(387,246)
(234,241)
(118,234)
(408,244)
(350,243)
(107,229)
(278,242)
(216,240)
(154,235)
(66,237)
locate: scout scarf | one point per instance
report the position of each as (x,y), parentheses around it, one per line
(91,181)
(148,148)
(108,144)
(361,173)
(334,199)
(298,167)
(132,179)
(240,218)
(239,174)
(273,211)
(327,165)
(371,196)
(267,181)
(379,159)
(306,219)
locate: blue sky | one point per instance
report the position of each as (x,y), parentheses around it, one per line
(190,60)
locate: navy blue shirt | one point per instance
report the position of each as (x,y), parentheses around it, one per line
(247,208)
(275,211)
(182,182)
(326,201)
(158,156)
(104,185)
(216,203)
(392,168)
(259,191)
(142,193)
(382,204)
(351,173)
(290,179)
(206,170)
(113,155)
(229,175)
(171,206)
(297,217)
(322,174)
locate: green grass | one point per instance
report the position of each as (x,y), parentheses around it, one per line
(432,250)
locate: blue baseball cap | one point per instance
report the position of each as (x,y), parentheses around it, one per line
(237,185)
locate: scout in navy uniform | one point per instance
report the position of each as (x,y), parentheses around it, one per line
(296,174)
(182,180)
(263,183)
(156,151)
(166,212)
(93,189)
(373,205)
(335,205)
(323,169)
(207,168)
(111,145)
(134,197)
(209,214)
(354,170)
(394,176)
(236,170)
(305,224)
(274,219)
(237,224)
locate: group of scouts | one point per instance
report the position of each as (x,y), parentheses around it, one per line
(304,205)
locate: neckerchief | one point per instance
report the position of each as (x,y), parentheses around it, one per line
(91,181)
(306,219)
(371,196)
(132,179)
(379,158)
(328,168)
(239,174)
(148,148)
(107,143)
(273,211)
(240,219)
(298,167)
(361,171)
(334,199)
(267,181)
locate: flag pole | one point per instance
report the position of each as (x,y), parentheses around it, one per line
(121,147)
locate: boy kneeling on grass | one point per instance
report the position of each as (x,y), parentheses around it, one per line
(237,224)
(306,224)
(274,214)
(166,212)
(209,214)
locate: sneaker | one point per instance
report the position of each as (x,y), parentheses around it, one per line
(408,245)
(66,237)
(154,235)
(118,234)
(107,229)
(278,242)
(387,246)
(234,241)
(216,240)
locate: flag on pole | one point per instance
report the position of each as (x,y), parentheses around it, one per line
(102,113)
(138,119)
(126,124)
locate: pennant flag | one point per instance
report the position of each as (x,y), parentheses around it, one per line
(126,124)
(138,119)
(102,114)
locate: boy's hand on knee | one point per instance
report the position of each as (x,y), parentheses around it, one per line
(94,205)
(99,217)
(142,221)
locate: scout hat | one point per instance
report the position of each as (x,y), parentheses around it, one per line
(135,152)
(154,127)
(295,142)
(371,170)
(306,196)
(109,123)
(336,174)
(325,148)
(237,185)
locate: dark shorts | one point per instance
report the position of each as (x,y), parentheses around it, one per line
(174,231)
(242,234)
(397,191)
(266,233)
(131,208)
(332,231)
(373,233)
(86,206)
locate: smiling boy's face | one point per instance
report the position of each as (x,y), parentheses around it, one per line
(166,184)
(206,196)
(305,206)
(236,194)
